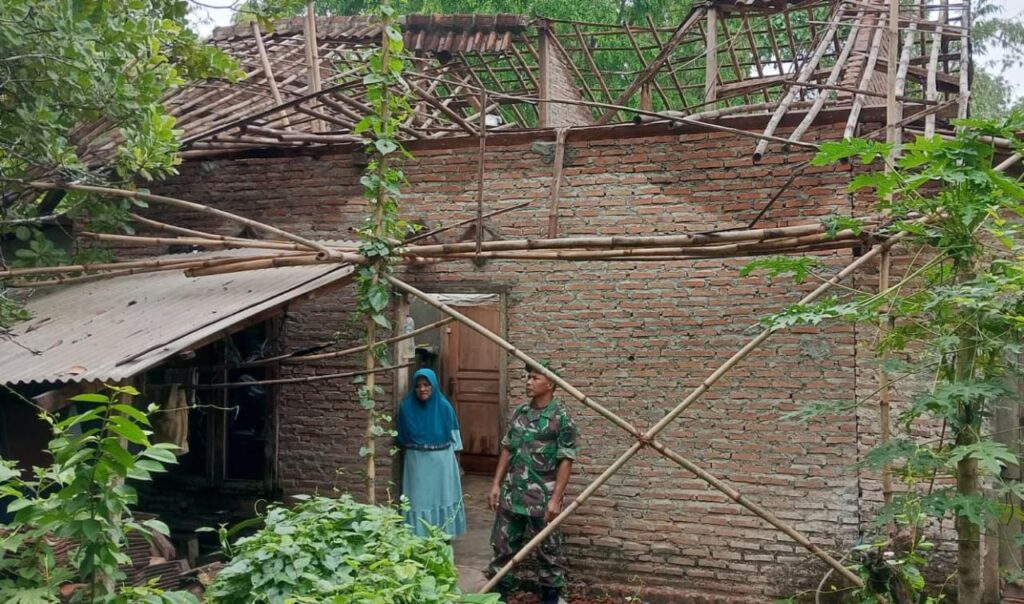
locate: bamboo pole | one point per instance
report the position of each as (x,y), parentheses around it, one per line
(181,203)
(336,255)
(805,73)
(884,419)
(305,355)
(901,83)
(480,171)
(964,96)
(151,263)
(170,228)
(679,253)
(267,69)
(865,80)
(662,57)
(931,91)
(684,240)
(302,380)
(832,80)
(891,68)
(556,182)
(313,57)
(455,225)
(642,440)
(706,385)
(252,264)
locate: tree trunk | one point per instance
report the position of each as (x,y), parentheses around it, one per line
(968,563)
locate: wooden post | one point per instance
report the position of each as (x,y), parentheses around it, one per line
(544,59)
(891,65)
(884,420)
(313,57)
(480,172)
(711,54)
(556,182)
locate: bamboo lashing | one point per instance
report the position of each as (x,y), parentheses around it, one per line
(805,73)
(642,440)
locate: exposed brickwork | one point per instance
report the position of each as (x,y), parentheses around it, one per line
(636,336)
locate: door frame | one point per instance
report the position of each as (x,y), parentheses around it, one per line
(472,287)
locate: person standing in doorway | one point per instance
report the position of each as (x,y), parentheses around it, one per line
(428,433)
(537,453)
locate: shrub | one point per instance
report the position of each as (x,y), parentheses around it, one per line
(338,551)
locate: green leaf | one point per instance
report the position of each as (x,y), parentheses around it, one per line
(127,430)
(798,267)
(382,321)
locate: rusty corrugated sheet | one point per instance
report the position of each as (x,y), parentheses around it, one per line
(113,329)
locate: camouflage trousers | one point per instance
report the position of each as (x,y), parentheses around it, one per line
(508,536)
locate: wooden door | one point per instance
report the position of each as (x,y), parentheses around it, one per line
(472,383)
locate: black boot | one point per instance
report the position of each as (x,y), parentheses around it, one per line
(549,595)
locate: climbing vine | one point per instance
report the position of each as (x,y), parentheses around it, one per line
(382,229)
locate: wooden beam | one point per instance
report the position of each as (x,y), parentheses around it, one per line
(711,54)
(556,183)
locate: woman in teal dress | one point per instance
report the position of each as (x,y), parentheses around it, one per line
(428,432)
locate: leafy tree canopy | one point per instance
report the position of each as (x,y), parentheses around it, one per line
(66,64)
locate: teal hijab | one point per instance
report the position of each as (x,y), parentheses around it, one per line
(426,423)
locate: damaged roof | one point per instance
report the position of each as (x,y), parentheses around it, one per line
(110,330)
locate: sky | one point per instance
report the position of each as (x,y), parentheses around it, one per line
(208,14)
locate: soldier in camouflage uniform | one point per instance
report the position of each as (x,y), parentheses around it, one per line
(536,459)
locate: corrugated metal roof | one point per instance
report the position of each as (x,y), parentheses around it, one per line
(113,329)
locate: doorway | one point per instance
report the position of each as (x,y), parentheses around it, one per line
(470,368)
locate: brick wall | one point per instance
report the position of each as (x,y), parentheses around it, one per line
(636,336)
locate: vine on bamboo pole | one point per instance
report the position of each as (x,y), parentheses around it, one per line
(956,320)
(382,227)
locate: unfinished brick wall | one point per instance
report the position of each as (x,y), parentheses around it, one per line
(637,336)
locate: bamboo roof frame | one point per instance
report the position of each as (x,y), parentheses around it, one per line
(777,56)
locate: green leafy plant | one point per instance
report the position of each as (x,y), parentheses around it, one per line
(337,550)
(956,319)
(382,230)
(83,497)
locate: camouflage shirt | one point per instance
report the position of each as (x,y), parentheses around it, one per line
(537,440)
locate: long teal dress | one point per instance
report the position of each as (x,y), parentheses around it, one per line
(431,481)
(428,432)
